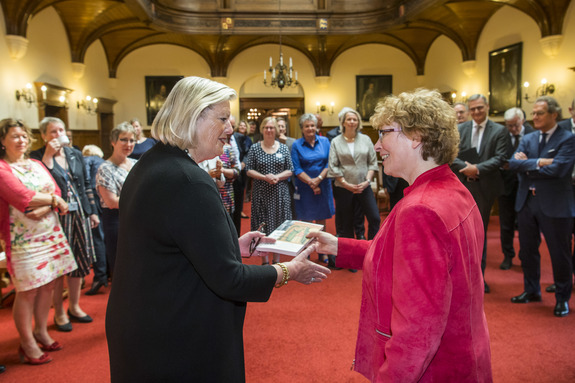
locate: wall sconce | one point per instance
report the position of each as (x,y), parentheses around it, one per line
(455,99)
(544,90)
(89,104)
(323,108)
(26,95)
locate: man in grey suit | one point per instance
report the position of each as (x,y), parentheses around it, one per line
(483,149)
(545,203)
(514,122)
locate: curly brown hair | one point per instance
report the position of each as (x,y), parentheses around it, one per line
(423,114)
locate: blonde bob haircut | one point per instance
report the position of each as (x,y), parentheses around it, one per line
(175,123)
(425,115)
(272,119)
(341,115)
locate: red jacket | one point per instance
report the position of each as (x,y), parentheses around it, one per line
(422,317)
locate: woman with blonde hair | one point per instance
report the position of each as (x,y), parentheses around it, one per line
(187,325)
(352,164)
(143,143)
(109,183)
(270,166)
(37,251)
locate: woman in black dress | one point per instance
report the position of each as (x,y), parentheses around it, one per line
(178,300)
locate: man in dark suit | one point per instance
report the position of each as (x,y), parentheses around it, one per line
(483,148)
(545,204)
(569,123)
(514,122)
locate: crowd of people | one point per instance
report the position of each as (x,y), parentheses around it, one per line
(60,218)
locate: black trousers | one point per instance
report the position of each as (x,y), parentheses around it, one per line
(557,231)
(344,211)
(507,222)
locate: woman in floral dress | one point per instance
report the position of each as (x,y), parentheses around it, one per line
(36,248)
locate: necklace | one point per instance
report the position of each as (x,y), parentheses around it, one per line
(348,139)
(269,147)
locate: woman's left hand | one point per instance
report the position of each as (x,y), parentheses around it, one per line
(246,241)
(304,271)
(94,221)
(37,213)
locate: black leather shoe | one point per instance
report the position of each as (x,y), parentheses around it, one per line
(506,264)
(67,327)
(486,288)
(526,298)
(550,288)
(561,309)
(97,285)
(84,319)
(2,368)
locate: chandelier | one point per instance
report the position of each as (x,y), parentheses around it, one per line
(281,74)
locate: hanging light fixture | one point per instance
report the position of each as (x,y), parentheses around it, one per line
(281,74)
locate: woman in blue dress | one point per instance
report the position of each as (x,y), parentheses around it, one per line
(313,196)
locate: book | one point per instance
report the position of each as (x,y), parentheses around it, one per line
(290,238)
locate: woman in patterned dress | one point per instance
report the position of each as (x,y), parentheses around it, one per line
(269,163)
(110,180)
(231,170)
(36,248)
(68,169)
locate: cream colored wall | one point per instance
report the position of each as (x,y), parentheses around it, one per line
(48,59)
(155,60)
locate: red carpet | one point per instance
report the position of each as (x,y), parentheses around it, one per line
(307,333)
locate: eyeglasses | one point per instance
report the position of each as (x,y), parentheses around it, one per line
(126,140)
(477,108)
(539,113)
(383,132)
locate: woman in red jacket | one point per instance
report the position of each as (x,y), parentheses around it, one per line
(36,248)
(422,317)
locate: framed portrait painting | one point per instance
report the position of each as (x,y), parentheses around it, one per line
(505,79)
(157,89)
(369,89)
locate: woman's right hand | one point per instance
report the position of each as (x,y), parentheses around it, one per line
(326,242)
(52,147)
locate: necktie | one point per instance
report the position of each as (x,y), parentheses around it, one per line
(475,138)
(516,142)
(542,143)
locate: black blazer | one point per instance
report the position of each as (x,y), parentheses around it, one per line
(494,150)
(80,180)
(510,177)
(174,229)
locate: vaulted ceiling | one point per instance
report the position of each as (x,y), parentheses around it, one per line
(218,30)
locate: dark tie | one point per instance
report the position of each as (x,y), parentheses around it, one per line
(542,143)
(516,142)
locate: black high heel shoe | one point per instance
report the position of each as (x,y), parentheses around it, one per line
(96,285)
